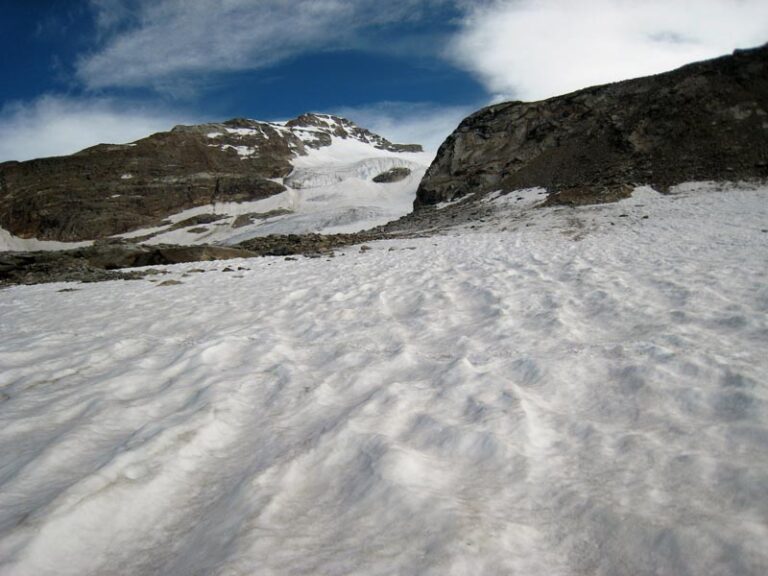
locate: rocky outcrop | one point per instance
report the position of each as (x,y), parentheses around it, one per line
(112,189)
(705,121)
(103,262)
(113,259)
(392,175)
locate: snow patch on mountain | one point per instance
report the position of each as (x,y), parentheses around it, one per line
(12,243)
(350,150)
(330,190)
(244,151)
(332,174)
(242,131)
(350,205)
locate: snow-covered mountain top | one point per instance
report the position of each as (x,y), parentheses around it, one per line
(303,134)
(314,124)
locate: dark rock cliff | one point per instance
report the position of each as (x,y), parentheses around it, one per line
(705,121)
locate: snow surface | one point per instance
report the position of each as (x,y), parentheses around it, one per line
(330,174)
(244,151)
(242,131)
(351,205)
(584,393)
(344,151)
(10,242)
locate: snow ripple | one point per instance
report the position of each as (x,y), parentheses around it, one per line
(506,403)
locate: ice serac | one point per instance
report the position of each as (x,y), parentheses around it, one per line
(113,189)
(376,169)
(705,121)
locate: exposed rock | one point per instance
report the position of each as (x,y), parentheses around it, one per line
(246,219)
(102,262)
(590,194)
(292,244)
(154,256)
(199,219)
(113,260)
(242,220)
(85,196)
(392,175)
(113,189)
(705,121)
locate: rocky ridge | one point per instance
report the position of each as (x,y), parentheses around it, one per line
(113,189)
(118,260)
(704,121)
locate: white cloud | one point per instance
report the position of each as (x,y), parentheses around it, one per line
(408,123)
(534,49)
(111,13)
(525,49)
(54,126)
(154,42)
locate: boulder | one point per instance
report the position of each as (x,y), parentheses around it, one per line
(392,175)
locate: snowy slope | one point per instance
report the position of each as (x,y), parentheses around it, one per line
(330,199)
(330,190)
(584,394)
(11,242)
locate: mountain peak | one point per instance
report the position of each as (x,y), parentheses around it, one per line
(136,185)
(309,130)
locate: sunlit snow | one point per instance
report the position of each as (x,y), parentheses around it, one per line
(244,151)
(9,241)
(241,131)
(583,393)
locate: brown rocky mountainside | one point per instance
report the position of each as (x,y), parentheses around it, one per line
(705,121)
(112,189)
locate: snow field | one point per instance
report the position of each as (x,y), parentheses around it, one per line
(514,402)
(10,242)
(329,191)
(365,169)
(349,205)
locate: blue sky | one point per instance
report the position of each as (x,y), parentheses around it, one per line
(79,72)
